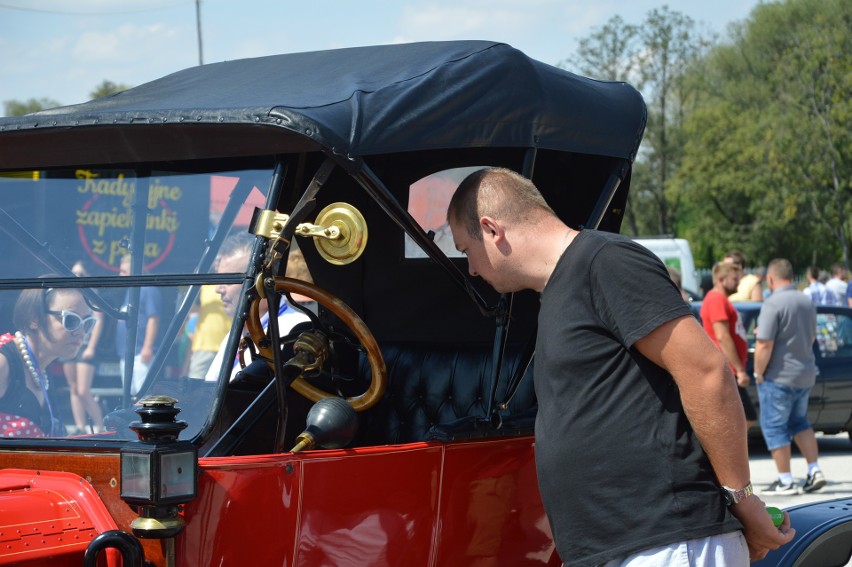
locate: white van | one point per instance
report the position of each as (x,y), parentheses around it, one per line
(675,252)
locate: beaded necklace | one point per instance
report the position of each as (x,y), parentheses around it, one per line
(32,366)
(29,360)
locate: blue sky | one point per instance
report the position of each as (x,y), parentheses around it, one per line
(62,49)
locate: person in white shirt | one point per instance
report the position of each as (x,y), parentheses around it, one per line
(234,257)
(817,291)
(837,283)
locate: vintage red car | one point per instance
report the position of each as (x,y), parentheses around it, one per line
(394,425)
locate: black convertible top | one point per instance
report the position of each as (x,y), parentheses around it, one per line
(352,102)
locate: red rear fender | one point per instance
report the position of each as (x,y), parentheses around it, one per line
(48,516)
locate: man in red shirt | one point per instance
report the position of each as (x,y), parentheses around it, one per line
(722,323)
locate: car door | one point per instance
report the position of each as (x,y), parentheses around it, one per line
(834,359)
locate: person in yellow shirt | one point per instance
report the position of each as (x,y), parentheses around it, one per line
(213,325)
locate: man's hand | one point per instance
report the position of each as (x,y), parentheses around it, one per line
(742,378)
(761,534)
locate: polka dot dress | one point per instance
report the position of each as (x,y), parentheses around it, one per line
(17,426)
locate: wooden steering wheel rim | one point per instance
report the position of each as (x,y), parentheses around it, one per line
(351,319)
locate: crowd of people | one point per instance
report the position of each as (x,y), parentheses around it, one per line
(822,287)
(784,369)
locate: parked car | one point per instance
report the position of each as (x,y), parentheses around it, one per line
(393,428)
(830,404)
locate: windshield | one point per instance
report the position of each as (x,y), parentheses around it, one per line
(103,270)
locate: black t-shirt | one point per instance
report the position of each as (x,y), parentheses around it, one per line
(619,467)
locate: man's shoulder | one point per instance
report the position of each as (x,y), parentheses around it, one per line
(772,304)
(713,298)
(789,298)
(600,237)
(614,243)
(715,307)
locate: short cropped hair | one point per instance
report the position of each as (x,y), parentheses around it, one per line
(237,243)
(494,192)
(722,269)
(780,268)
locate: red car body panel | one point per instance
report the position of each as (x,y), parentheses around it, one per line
(48,517)
(416,504)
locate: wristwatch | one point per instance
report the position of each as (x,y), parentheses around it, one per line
(733,496)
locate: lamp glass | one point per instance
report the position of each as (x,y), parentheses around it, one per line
(177,474)
(136,475)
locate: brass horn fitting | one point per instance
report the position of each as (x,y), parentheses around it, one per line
(344,234)
(340,231)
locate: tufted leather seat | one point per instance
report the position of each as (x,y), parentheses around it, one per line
(436,392)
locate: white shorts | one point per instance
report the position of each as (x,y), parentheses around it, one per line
(723,550)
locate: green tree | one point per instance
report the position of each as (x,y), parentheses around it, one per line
(768,154)
(671,45)
(18,108)
(653,57)
(107,88)
(610,52)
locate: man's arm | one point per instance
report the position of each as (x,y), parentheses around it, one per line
(151,328)
(726,342)
(715,412)
(762,354)
(151,301)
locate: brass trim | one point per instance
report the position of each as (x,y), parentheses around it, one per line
(351,237)
(157,528)
(270,224)
(340,231)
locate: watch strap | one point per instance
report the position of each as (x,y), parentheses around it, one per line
(736,495)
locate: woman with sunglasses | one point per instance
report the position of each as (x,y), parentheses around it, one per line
(51,323)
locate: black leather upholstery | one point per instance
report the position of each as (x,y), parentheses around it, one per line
(434,392)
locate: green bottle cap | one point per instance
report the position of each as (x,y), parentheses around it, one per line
(776,515)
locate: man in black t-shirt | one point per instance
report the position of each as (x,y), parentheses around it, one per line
(640,434)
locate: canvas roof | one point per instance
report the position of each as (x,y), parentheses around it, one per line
(352,102)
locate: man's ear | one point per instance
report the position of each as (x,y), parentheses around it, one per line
(491,228)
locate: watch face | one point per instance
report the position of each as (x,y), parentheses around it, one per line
(728,497)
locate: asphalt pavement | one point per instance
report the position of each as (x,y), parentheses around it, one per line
(835,460)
